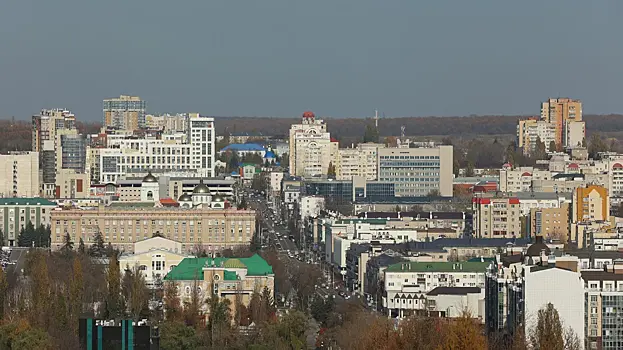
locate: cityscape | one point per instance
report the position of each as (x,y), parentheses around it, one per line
(326,175)
(248,235)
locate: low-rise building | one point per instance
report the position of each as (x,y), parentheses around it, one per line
(453,302)
(234,279)
(15,213)
(153,257)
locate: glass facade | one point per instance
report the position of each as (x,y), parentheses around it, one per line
(413,175)
(73,148)
(612,323)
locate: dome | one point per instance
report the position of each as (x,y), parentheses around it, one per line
(617,166)
(309,115)
(269,155)
(201,188)
(150,178)
(185,198)
(536,248)
(218,198)
(234,264)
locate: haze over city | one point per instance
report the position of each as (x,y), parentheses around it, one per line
(278,58)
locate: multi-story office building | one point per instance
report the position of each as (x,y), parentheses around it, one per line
(590,203)
(48,125)
(360,160)
(72,153)
(406,283)
(122,225)
(19,174)
(169,153)
(520,179)
(417,171)
(311,147)
(604,300)
(496,217)
(15,213)
(201,135)
(559,112)
(124,112)
(530,131)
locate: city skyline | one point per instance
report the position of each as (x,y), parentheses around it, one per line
(339,60)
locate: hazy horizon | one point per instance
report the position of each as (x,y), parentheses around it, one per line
(338,59)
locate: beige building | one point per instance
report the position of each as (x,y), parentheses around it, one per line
(560,111)
(19,174)
(575,134)
(590,203)
(311,147)
(520,179)
(551,223)
(530,131)
(154,257)
(124,112)
(122,226)
(70,184)
(360,160)
(417,172)
(496,217)
(235,279)
(49,124)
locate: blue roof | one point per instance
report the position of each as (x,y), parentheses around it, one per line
(244,147)
(269,154)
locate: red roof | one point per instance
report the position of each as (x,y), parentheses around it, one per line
(526,174)
(169,202)
(481,200)
(309,115)
(507,165)
(334,140)
(617,166)
(513,201)
(573,165)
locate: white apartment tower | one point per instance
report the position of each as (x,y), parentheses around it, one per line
(202,138)
(311,147)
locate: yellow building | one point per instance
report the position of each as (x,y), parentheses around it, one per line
(122,226)
(590,203)
(551,223)
(124,112)
(234,279)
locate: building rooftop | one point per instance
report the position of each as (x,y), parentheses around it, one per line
(438,267)
(453,291)
(26,201)
(192,268)
(439,215)
(245,147)
(601,276)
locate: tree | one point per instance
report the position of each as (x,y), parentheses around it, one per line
(243,204)
(172,304)
(20,335)
(469,171)
(3,289)
(68,245)
(433,193)
(2,237)
(371,134)
(98,249)
(76,290)
(81,247)
(539,149)
(548,333)
(114,307)
(552,146)
(268,303)
(37,268)
(175,335)
(219,321)
(596,146)
(27,235)
(397,209)
(331,170)
(135,292)
(464,333)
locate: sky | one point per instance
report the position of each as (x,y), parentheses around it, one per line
(338,58)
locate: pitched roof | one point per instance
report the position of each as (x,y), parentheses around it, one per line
(453,291)
(25,201)
(438,267)
(192,268)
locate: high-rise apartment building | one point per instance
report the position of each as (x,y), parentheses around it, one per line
(48,125)
(417,172)
(72,153)
(530,131)
(202,139)
(496,217)
(124,112)
(311,147)
(575,134)
(19,174)
(560,111)
(361,160)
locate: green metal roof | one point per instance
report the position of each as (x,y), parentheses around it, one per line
(191,268)
(230,276)
(25,201)
(438,267)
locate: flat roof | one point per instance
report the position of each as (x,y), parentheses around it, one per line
(438,267)
(26,201)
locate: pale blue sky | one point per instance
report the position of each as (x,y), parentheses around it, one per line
(338,58)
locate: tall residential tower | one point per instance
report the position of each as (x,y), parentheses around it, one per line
(124,112)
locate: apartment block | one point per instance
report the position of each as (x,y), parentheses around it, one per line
(496,217)
(560,112)
(590,203)
(575,134)
(19,174)
(360,160)
(311,147)
(604,299)
(530,131)
(48,125)
(71,184)
(551,223)
(417,172)
(15,213)
(520,179)
(124,112)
